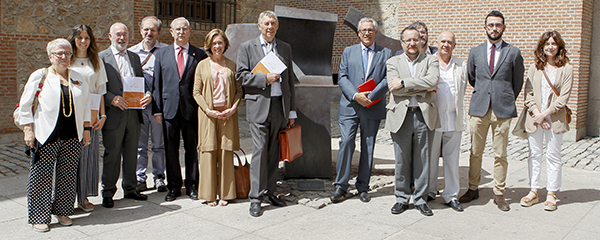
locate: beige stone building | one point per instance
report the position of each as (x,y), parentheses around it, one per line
(26,27)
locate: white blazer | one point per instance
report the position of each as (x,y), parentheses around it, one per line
(46,114)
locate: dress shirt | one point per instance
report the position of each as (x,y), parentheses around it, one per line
(123,62)
(148,68)
(496,55)
(276,86)
(186,49)
(411,66)
(445,97)
(370,56)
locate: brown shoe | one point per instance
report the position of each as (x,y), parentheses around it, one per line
(470,195)
(502,204)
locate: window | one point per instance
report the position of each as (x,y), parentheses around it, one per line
(202,14)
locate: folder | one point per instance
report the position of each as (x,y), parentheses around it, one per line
(368,86)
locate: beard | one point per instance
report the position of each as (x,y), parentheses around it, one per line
(494,38)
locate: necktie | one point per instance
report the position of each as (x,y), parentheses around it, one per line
(492,56)
(365,59)
(180,61)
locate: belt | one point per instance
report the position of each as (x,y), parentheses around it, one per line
(414,109)
(276,97)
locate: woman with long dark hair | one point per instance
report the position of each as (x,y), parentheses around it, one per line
(86,62)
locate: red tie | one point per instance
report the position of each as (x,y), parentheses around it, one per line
(180,61)
(492,56)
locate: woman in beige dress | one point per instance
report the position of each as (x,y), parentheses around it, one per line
(546,117)
(218,95)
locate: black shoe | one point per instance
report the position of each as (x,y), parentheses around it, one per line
(275,201)
(136,196)
(108,202)
(364,197)
(193,194)
(454,204)
(160,185)
(399,208)
(430,198)
(425,210)
(470,195)
(255,210)
(172,195)
(141,186)
(338,195)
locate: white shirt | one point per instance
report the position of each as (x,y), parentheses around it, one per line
(148,68)
(412,65)
(496,55)
(96,79)
(547,90)
(123,62)
(446,98)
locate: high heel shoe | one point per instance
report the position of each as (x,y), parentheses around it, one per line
(528,202)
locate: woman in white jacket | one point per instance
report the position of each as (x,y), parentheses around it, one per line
(56,129)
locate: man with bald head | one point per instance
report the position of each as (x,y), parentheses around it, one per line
(450,95)
(176,109)
(121,131)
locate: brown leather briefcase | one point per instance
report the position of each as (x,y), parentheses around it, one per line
(290,143)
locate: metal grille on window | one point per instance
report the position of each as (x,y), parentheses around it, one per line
(202,14)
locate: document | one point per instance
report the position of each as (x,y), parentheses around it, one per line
(95,106)
(368,86)
(133,91)
(270,64)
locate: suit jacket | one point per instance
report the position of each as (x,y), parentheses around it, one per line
(351,75)
(114,86)
(501,89)
(427,74)
(172,92)
(533,97)
(256,91)
(460,84)
(47,110)
(207,126)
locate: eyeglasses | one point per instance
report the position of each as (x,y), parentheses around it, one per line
(62,54)
(411,40)
(366,30)
(492,25)
(181,29)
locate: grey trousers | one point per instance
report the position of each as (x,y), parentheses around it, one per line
(150,129)
(412,144)
(265,156)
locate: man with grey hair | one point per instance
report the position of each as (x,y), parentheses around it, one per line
(122,129)
(176,108)
(150,30)
(450,96)
(363,62)
(270,107)
(424,34)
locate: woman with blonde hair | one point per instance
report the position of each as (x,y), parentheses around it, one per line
(218,95)
(547,92)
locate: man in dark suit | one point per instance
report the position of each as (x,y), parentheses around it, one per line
(495,70)
(122,129)
(360,63)
(174,70)
(270,107)
(424,34)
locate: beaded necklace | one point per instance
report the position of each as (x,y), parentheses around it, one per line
(61,95)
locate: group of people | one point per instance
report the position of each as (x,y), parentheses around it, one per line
(426,113)
(193,94)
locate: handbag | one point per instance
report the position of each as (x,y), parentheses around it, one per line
(567,109)
(519,129)
(17,112)
(242,177)
(290,143)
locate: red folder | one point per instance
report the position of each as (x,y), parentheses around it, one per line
(368,86)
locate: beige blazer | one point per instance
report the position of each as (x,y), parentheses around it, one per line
(427,74)
(46,113)
(203,94)
(533,97)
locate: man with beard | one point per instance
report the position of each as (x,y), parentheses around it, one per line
(122,129)
(424,34)
(495,70)
(411,118)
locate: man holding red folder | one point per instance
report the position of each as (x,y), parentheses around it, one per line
(362,79)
